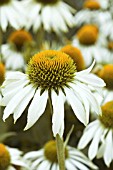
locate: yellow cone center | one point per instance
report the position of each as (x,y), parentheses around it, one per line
(50,151)
(4,2)
(91,4)
(51,69)
(4,157)
(47,2)
(107,115)
(20,38)
(2,73)
(106,73)
(88,35)
(76,55)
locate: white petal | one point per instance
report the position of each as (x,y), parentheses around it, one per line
(94,144)
(91,79)
(76,106)
(36,108)
(70,166)
(44,165)
(86,71)
(88,134)
(108,153)
(19,109)
(14,102)
(58,113)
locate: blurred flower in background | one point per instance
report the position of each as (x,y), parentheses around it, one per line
(100,132)
(11,13)
(47,158)
(53,15)
(10,158)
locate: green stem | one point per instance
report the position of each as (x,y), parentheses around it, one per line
(59,143)
(60,152)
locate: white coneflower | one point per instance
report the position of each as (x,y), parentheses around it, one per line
(13,51)
(93,11)
(100,132)
(11,13)
(46,158)
(106,73)
(54,15)
(51,72)
(10,158)
(87,40)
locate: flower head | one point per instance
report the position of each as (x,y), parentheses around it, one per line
(5,158)
(46,158)
(50,151)
(100,132)
(51,70)
(88,35)
(76,55)
(2,73)
(107,115)
(20,38)
(51,73)
(91,4)
(10,158)
(106,73)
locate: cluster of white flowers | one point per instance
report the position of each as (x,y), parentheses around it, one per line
(44,67)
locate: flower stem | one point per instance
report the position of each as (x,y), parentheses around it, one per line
(59,144)
(60,152)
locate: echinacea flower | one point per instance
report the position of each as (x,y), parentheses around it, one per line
(51,73)
(76,55)
(100,134)
(11,157)
(11,13)
(94,11)
(87,40)
(13,51)
(46,158)
(54,15)
(106,73)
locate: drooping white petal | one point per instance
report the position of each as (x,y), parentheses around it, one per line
(19,109)
(14,102)
(88,134)
(108,153)
(76,106)
(95,143)
(36,108)
(58,113)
